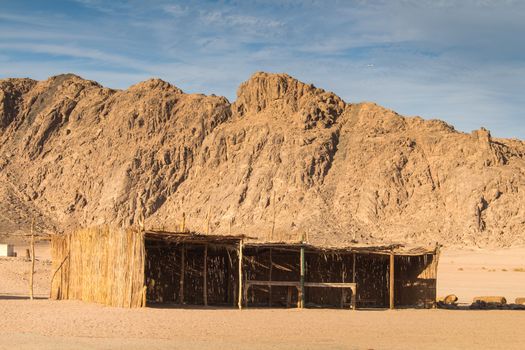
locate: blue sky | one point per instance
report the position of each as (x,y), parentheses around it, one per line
(460,61)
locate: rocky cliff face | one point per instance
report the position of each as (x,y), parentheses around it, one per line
(285,160)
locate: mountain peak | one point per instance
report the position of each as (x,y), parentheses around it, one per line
(155,84)
(285,93)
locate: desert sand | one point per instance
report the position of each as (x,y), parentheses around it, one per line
(475,272)
(47,324)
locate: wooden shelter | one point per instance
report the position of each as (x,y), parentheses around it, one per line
(134,268)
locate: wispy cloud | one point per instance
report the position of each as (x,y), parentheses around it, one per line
(76,52)
(222,18)
(462,61)
(176,10)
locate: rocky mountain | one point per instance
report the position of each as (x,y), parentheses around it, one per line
(285,160)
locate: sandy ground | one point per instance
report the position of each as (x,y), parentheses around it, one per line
(46,324)
(470,273)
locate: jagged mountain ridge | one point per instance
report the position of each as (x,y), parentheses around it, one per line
(286,159)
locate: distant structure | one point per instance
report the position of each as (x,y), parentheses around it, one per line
(7,250)
(136,267)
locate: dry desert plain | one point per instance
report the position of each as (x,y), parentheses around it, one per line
(47,324)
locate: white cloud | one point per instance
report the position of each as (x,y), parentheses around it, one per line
(176,10)
(463,61)
(72,51)
(222,18)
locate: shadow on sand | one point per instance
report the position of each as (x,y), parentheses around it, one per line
(7,296)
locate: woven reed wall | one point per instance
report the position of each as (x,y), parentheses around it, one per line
(101,264)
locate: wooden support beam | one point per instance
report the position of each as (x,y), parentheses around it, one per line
(353,267)
(273,221)
(298,284)
(354,296)
(303,268)
(391,283)
(32,259)
(182,271)
(205,276)
(240,294)
(343,275)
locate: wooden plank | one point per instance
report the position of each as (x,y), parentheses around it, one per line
(205,277)
(298,284)
(240,295)
(182,270)
(282,267)
(330,284)
(391,282)
(303,268)
(273,283)
(291,284)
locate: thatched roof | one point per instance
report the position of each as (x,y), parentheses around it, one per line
(396,249)
(251,242)
(191,237)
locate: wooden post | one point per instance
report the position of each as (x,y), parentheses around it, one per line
(391,284)
(240,295)
(205,276)
(182,269)
(270,279)
(301,292)
(343,273)
(208,222)
(273,221)
(354,292)
(353,269)
(354,298)
(32,259)
(183,224)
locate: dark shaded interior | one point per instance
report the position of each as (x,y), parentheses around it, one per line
(414,282)
(372,277)
(163,272)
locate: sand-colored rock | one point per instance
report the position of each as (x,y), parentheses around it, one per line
(286,158)
(520,301)
(490,300)
(448,300)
